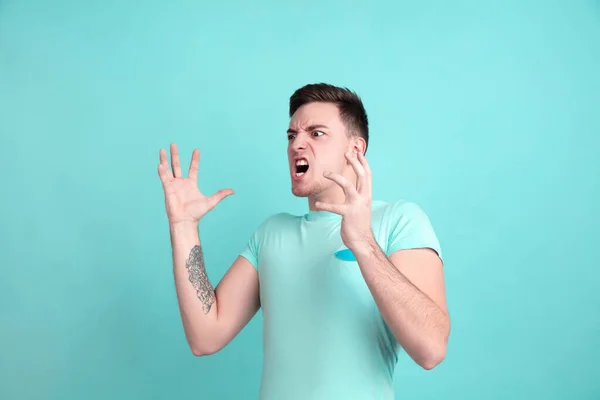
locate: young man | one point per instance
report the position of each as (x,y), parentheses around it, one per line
(342,288)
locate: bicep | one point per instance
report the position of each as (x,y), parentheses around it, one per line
(237,298)
(424,268)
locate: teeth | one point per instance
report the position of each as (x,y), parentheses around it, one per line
(299,173)
(301,162)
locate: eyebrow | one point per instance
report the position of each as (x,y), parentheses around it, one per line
(309,128)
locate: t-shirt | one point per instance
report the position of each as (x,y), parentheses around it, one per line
(323,335)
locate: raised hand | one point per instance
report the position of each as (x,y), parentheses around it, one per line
(184,201)
(356,210)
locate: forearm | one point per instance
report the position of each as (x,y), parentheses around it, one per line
(417,322)
(195,293)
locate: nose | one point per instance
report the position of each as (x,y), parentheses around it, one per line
(299,143)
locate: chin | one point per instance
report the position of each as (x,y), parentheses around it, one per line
(302,188)
(306,189)
(306,185)
(299,191)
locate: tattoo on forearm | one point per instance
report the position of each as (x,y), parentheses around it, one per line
(199,279)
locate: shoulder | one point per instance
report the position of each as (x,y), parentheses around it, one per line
(405,225)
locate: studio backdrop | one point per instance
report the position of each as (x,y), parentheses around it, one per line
(485,114)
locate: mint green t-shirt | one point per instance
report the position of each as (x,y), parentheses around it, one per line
(324,337)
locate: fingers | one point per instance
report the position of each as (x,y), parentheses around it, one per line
(219,196)
(358,167)
(334,208)
(164,172)
(175,161)
(359,170)
(345,184)
(363,161)
(193,172)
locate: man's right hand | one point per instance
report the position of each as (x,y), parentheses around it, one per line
(211,317)
(185,203)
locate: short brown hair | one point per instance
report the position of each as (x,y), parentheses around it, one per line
(349,104)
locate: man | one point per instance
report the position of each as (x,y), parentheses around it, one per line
(342,288)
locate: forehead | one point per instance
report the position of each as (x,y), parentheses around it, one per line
(316,114)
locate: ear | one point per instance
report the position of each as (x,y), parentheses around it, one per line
(359,144)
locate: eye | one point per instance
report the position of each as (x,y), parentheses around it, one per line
(317,132)
(291,136)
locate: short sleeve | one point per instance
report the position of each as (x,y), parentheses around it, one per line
(250,250)
(410,228)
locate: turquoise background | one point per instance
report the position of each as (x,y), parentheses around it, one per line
(487,114)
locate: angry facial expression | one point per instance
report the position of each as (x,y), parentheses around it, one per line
(317,141)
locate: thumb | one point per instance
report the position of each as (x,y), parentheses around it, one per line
(219,196)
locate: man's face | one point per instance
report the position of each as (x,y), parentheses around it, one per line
(317,141)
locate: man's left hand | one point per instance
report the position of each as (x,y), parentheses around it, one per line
(356,210)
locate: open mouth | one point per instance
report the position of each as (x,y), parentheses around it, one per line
(301,167)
